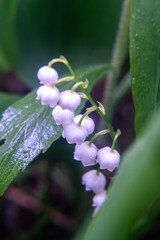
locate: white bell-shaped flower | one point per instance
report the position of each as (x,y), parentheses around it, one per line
(62,116)
(86,154)
(47,75)
(87,122)
(107,159)
(93,181)
(69,100)
(48,96)
(98,200)
(74,133)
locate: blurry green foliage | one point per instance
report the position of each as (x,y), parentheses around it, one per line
(35,31)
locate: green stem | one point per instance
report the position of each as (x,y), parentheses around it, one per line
(72,72)
(56,60)
(104,117)
(98,134)
(65,79)
(119,53)
(76,85)
(89,110)
(115,138)
(98,171)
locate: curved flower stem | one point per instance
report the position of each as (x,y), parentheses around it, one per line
(89,110)
(56,60)
(76,85)
(97,135)
(104,116)
(65,79)
(97,108)
(115,138)
(98,171)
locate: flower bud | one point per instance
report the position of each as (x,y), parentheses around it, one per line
(86,154)
(62,116)
(69,100)
(74,133)
(93,181)
(98,199)
(87,122)
(48,96)
(47,75)
(107,159)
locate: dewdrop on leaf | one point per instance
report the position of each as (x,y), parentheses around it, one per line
(62,116)
(48,96)
(107,159)
(86,154)
(47,75)
(93,181)
(69,100)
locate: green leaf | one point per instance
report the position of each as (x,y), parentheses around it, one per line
(81,232)
(133,197)
(6,100)
(145,58)
(27,129)
(8,40)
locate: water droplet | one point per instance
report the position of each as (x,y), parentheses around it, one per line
(136,35)
(133,80)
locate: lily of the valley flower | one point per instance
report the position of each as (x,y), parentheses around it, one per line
(86,154)
(47,75)
(93,181)
(77,129)
(98,200)
(48,96)
(74,133)
(87,122)
(62,116)
(108,159)
(69,100)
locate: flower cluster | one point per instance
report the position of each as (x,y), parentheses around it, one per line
(77,128)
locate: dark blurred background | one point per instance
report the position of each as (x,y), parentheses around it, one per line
(47,201)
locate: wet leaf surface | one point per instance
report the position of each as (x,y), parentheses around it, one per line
(145,59)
